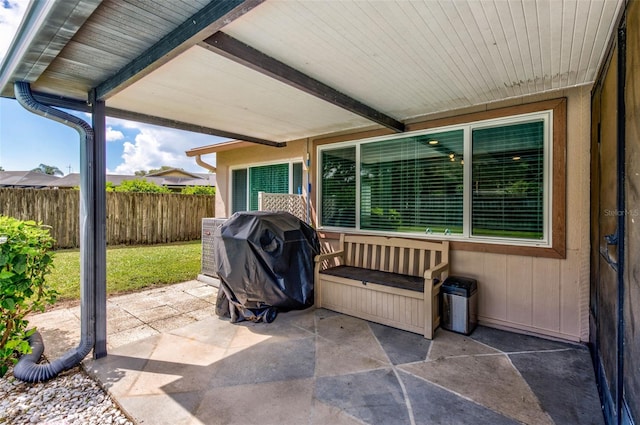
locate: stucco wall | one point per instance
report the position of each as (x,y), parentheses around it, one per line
(543,296)
(256,154)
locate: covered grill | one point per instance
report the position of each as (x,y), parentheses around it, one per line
(265,264)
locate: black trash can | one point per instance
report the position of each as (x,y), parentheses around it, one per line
(459,304)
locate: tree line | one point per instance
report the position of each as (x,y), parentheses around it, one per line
(144,186)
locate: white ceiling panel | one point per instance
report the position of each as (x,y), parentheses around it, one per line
(202,88)
(412,58)
(403,59)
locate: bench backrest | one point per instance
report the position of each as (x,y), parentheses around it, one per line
(396,255)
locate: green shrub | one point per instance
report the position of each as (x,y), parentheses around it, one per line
(25,260)
(141,185)
(198,190)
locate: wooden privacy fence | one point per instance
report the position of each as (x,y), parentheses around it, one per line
(132,218)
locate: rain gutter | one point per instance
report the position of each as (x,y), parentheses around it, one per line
(203,164)
(92,247)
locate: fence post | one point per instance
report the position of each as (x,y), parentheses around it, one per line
(260,205)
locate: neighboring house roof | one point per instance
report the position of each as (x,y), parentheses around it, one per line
(201,179)
(26,179)
(174,181)
(267,72)
(73,180)
(174,172)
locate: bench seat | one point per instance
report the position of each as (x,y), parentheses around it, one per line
(392,281)
(395,280)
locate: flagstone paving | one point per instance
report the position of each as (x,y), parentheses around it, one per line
(173,361)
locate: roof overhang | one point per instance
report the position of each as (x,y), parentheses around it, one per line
(271,72)
(218,147)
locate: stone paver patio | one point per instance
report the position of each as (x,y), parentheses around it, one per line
(173,361)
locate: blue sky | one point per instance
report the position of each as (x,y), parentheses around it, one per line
(27,140)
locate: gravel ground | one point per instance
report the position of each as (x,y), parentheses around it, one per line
(70,398)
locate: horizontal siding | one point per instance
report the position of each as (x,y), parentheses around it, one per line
(537,295)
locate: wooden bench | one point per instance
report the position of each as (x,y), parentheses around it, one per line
(391,281)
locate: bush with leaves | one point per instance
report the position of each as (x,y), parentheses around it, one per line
(26,257)
(198,190)
(141,185)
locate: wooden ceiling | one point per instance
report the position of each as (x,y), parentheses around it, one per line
(274,71)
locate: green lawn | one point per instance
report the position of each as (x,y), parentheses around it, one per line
(129,268)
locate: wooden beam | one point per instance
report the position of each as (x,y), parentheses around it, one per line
(227,46)
(208,20)
(165,122)
(83,106)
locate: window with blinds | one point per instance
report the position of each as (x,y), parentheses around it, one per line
(267,178)
(508,181)
(338,204)
(424,184)
(273,178)
(413,184)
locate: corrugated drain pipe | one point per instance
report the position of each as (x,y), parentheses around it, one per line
(27,369)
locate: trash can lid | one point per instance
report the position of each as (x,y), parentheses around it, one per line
(458,285)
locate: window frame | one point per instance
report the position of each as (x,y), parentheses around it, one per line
(291,190)
(547,118)
(554,245)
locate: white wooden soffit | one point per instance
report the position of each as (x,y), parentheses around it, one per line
(402,60)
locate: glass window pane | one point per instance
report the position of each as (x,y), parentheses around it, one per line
(297,178)
(267,178)
(338,195)
(413,184)
(508,181)
(239,190)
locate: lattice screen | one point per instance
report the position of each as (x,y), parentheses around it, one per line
(294,204)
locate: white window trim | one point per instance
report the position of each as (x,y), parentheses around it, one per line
(466,236)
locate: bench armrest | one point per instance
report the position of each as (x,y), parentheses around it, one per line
(322,257)
(319,260)
(432,284)
(436,271)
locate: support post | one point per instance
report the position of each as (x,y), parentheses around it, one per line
(98,172)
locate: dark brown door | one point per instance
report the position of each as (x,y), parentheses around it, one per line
(604,301)
(615,225)
(631,305)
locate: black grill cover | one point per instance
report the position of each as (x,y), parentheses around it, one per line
(265,259)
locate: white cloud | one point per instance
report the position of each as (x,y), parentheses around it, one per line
(11,12)
(154,147)
(114,135)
